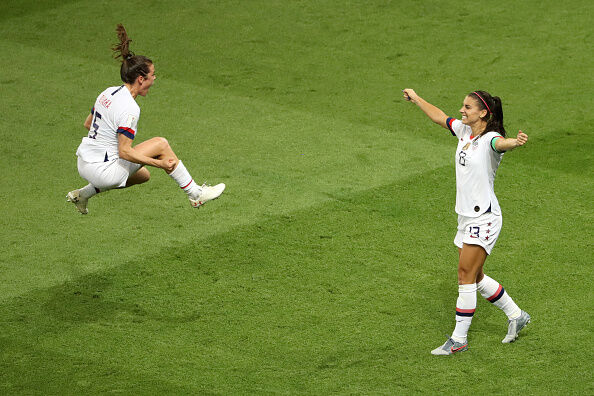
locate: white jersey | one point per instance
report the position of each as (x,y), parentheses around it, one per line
(115,112)
(476,165)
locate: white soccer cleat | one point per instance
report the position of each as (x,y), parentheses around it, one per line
(450,347)
(78,201)
(514,327)
(207,193)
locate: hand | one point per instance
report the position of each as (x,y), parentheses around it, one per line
(521,139)
(410,95)
(168,164)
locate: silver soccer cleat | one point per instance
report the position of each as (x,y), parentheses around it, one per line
(207,193)
(450,347)
(78,201)
(514,327)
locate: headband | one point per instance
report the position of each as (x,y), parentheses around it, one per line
(483,100)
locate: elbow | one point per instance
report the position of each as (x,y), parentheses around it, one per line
(124,154)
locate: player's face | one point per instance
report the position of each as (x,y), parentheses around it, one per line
(147,81)
(470,111)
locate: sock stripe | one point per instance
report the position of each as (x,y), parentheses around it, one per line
(497,295)
(186,186)
(465,312)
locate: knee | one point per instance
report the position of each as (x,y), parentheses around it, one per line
(142,176)
(163,143)
(465,275)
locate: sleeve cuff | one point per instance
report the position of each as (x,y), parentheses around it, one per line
(449,122)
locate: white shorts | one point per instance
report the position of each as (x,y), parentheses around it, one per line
(483,230)
(107,175)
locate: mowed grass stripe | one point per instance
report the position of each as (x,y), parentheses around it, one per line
(324,299)
(340,59)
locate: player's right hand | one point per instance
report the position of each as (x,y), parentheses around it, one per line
(409,94)
(168,165)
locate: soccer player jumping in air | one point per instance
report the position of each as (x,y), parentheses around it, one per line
(106,157)
(481,145)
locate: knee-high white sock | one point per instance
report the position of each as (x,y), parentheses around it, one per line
(88,191)
(182,177)
(496,294)
(465,307)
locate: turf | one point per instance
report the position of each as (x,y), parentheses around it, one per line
(327,267)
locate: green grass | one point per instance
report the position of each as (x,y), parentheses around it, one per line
(327,267)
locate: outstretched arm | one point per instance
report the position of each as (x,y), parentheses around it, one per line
(436,115)
(507,144)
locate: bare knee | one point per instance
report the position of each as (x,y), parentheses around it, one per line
(141,176)
(146,176)
(163,143)
(165,149)
(466,275)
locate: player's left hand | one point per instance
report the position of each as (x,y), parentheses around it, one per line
(522,138)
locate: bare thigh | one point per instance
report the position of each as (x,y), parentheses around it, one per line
(142,175)
(470,265)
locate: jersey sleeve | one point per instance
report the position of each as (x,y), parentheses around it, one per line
(492,137)
(127,124)
(455,126)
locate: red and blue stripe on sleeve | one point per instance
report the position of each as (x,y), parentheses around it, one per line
(449,122)
(128,132)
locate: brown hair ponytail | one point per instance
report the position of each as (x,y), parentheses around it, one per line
(132,65)
(492,104)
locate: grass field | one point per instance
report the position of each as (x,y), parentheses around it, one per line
(327,267)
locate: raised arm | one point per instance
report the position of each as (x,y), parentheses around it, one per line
(507,144)
(436,115)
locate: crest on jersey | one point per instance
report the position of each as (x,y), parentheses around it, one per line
(130,121)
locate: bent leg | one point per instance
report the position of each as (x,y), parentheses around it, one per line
(494,292)
(141,176)
(157,147)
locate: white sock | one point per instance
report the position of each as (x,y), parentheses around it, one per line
(182,177)
(496,294)
(88,191)
(465,307)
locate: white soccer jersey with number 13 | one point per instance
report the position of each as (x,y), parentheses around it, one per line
(476,165)
(115,112)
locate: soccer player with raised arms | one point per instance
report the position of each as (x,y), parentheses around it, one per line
(106,157)
(481,145)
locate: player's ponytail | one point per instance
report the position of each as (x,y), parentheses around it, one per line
(132,65)
(492,104)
